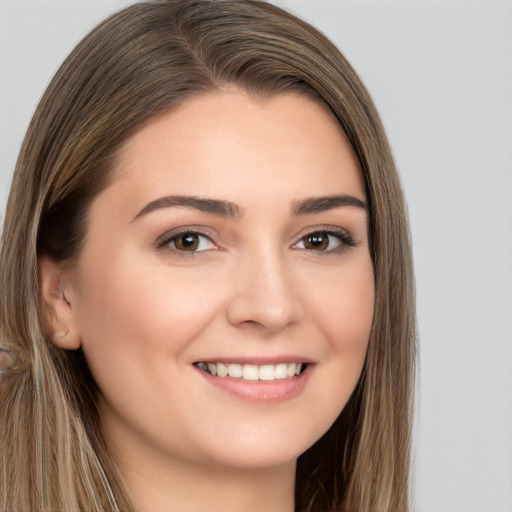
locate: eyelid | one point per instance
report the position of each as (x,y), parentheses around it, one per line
(164,240)
(342,234)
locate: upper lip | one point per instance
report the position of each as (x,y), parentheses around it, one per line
(257,360)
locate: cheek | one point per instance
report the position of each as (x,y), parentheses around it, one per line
(131,316)
(344,308)
(344,313)
(341,305)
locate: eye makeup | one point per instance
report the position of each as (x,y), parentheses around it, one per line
(325,240)
(189,240)
(186,240)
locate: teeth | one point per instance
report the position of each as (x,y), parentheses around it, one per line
(252,372)
(267,372)
(235,370)
(222,370)
(290,369)
(281,371)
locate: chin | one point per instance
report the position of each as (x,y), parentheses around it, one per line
(250,450)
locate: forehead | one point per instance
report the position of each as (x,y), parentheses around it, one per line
(221,141)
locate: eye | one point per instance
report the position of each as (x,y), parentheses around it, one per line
(187,241)
(325,241)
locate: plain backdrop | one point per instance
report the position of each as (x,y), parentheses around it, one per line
(441,76)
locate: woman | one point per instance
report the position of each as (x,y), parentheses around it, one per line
(188,335)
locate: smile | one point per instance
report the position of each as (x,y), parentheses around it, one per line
(253,372)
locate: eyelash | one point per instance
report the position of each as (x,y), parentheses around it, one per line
(170,238)
(341,235)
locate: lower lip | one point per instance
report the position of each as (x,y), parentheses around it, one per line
(259,391)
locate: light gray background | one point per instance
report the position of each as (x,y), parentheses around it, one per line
(441,75)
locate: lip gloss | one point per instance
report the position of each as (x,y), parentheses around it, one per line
(260,391)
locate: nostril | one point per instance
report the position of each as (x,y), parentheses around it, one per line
(262,312)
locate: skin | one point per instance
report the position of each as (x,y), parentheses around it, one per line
(143,314)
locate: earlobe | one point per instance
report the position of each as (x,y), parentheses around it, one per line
(56,302)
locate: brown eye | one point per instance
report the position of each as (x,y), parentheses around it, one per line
(325,241)
(316,241)
(186,242)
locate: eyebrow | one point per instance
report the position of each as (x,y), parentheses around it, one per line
(324,203)
(215,206)
(228,209)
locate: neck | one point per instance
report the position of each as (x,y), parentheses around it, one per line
(170,477)
(166,486)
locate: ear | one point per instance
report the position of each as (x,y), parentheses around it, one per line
(57,303)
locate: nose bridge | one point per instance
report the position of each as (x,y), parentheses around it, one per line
(265,292)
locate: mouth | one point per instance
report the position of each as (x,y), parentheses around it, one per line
(253,372)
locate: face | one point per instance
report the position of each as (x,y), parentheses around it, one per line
(233,240)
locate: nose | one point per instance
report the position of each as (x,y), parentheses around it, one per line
(265,294)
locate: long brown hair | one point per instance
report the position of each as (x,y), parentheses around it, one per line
(138,64)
